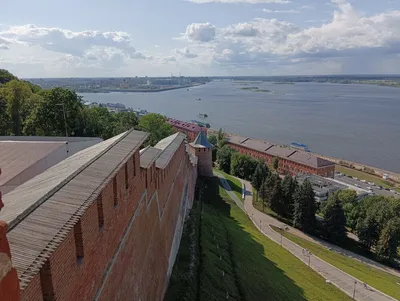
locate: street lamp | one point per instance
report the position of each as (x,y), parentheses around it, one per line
(354,290)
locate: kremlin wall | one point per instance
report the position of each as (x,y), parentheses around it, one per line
(104,224)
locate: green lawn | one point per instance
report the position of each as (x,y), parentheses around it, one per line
(235,184)
(365,176)
(236,260)
(380,280)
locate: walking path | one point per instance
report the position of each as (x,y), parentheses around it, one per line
(350,285)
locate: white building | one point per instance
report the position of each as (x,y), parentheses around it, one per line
(24,157)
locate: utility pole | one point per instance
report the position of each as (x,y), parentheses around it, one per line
(65,124)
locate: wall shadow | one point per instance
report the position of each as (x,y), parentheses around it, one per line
(256,277)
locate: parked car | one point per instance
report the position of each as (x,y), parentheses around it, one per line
(363,181)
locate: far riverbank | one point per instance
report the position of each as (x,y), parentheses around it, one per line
(141,90)
(392,176)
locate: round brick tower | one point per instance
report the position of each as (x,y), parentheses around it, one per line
(202,148)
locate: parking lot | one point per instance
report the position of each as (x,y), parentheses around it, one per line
(366,185)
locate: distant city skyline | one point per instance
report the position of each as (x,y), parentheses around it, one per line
(54,38)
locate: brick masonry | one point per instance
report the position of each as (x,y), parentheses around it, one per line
(124,245)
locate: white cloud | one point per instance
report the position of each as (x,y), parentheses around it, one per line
(200,32)
(349,34)
(67,41)
(241,1)
(4,46)
(289,11)
(185,53)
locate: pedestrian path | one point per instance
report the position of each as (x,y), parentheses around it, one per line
(347,283)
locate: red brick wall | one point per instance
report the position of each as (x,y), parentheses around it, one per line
(123,238)
(285,165)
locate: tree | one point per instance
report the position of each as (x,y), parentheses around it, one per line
(214,141)
(47,117)
(259,176)
(224,158)
(347,196)
(157,126)
(6,76)
(16,93)
(304,207)
(289,186)
(264,193)
(124,121)
(276,201)
(242,166)
(97,122)
(389,240)
(221,138)
(334,219)
(275,163)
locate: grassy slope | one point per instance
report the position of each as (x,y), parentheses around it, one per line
(235,184)
(372,276)
(255,268)
(365,176)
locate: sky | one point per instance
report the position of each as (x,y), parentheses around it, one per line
(98,38)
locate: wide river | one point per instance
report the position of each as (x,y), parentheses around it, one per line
(360,123)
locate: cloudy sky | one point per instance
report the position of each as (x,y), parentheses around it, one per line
(59,38)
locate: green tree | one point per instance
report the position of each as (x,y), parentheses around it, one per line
(264,193)
(47,117)
(347,196)
(124,121)
(221,138)
(214,141)
(389,240)
(334,219)
(289,186)
(304,207)
(16,93)
(157,126)
(6,76)
(276,200)
(97,122)
(242,166)
(260,174)
(275,163)
(224,158)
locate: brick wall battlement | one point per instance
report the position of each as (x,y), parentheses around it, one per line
(110,231)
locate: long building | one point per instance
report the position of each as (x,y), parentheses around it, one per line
(191,130)
(291,161)
(104,224)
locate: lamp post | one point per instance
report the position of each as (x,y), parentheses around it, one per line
(354,290)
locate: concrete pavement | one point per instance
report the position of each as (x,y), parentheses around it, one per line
(348,284)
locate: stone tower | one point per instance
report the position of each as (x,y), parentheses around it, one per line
(202,148)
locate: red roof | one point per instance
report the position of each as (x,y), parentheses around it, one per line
(192,127)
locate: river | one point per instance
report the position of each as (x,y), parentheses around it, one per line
(359,123)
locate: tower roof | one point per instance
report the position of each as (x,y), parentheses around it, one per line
(201,140)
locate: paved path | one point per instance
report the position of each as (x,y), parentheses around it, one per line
(340,279)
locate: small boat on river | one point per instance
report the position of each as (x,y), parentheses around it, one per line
(203,115)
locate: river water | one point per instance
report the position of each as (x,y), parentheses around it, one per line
(360,123)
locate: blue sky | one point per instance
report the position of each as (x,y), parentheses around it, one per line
(53,38)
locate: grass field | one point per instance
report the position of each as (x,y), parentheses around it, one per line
(365,176)
(236,261)
(380,280)
(235,184)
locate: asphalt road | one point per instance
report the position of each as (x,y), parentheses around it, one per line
(363,185)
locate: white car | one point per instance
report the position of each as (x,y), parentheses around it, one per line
(363,181)
(356,178)
(369,188)
(392,191)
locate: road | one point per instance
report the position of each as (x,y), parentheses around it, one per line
(348,284)
(352,181)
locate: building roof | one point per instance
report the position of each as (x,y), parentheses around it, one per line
(168,147)
(148,155)
(50,204)
(292,154)
(48,138)
(184,125)
(202,141)
(17,156)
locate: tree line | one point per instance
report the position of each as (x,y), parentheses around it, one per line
(374,219)
(26,109)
